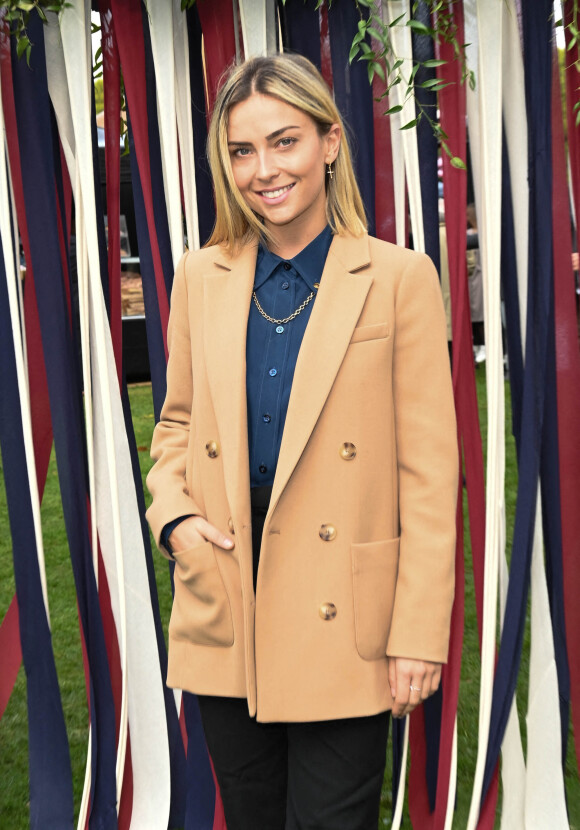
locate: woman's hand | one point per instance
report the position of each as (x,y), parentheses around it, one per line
(193,531)
(412,682)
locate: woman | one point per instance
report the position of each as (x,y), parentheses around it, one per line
(306,469)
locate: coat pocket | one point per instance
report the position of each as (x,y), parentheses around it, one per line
(201,610)
(376,331)
(374,577)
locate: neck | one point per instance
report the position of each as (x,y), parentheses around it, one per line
(289,240)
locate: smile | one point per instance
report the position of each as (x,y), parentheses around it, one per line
(275,194)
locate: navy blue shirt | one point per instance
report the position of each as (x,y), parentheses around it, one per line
(281,286)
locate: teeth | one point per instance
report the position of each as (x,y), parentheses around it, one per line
(273,194)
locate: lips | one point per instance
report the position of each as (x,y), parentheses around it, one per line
(276,194)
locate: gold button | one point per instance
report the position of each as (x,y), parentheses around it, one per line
(231,525)
(327,611)
(327,532)
(347,451)
(316,284)
(212,448)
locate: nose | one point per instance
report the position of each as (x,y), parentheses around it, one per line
(266,168)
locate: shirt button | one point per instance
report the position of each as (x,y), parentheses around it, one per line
(285,286)
(273,372)
(262,468)
(266,417)
(279,329)
(287,266)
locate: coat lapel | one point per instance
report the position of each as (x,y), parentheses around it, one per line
(227,296)
(338,305)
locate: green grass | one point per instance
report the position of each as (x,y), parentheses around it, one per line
(65,630)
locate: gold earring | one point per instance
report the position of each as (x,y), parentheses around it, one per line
(329,171)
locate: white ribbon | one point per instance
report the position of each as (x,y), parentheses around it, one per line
(184,123)
(160,17)
(10,250)
(486,137)
(402,44)
(142,704)
(258,18)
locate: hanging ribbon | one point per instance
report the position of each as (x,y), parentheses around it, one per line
(568,375)
(204,187)
(50,785)
(564,551)
(301,29)
(353,96)
(218,27)
(259,26)
(34,129)
(112,102)
(183,100)
(537,62)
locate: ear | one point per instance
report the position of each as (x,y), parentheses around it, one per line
(332,141)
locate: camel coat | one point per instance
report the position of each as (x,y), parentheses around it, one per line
(358,548)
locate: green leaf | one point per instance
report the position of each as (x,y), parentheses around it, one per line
(354,50)
(393,110)
(431,63)
(458,163)
(28,52)
(380,71)
(22,45)
(396,21)
(374,33)
(429,83)
(26,6)
(410,124)
(420,28)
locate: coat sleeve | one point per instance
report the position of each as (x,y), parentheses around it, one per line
(427,459)
(167,478)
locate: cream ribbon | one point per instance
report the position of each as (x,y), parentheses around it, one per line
(115,506)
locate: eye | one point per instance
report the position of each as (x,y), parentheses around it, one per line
(287,141)
(241,152)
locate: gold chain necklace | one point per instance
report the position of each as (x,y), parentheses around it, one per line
(286,319)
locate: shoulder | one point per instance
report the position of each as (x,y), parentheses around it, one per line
(404,259)
(192,260)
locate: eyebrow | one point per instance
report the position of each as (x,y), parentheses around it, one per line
(273,135)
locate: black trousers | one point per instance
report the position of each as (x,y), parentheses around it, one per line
(325,775)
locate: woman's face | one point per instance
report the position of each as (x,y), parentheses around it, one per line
(278,161)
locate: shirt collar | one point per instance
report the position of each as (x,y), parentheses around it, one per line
(309,263)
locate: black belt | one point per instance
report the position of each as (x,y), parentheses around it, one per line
(260,497)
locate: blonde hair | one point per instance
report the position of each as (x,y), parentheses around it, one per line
(296,81)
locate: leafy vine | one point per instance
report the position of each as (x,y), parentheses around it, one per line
(16,14)
(384,62)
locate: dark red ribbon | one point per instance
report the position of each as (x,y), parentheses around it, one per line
(568,385)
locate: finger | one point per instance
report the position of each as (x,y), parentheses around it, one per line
(415,698)
(213,535)
(402,690)
(392,677)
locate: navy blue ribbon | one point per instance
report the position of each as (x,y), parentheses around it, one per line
(38,175)
(203,183)
(423,50)
(537,33)
(301,29)
(353,96)
(51,793)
